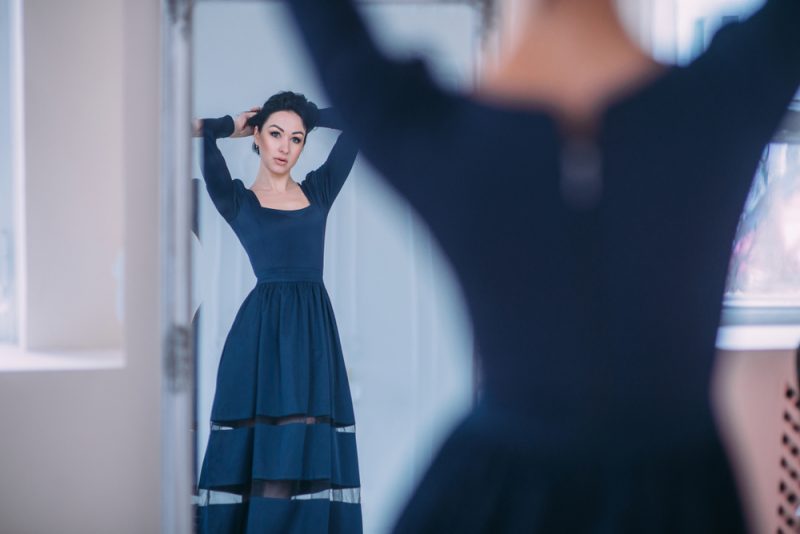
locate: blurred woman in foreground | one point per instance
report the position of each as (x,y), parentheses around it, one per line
(587,198)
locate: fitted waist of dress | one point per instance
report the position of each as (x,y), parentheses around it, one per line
(289,274)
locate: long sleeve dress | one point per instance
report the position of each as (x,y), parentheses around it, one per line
(595,317)
(281,366)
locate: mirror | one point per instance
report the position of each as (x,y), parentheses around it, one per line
(406,343)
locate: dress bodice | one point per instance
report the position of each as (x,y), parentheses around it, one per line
(281,244)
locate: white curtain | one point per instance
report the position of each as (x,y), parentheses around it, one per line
(406,339)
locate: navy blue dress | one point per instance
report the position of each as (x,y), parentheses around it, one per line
(281,365)
(593,271)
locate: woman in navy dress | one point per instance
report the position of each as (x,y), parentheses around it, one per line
(587,200)
(281,456)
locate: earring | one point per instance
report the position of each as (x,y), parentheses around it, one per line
(255,147)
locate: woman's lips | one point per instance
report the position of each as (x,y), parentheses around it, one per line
(281,161)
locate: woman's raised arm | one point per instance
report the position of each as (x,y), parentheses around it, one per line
(397,114)
(382,101)
(215,171)
(753,69)
(327,180)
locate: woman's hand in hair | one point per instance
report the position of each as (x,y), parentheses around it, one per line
(240,126)
(197,127)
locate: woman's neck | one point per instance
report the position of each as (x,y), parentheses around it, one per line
(266,180)
(573,56)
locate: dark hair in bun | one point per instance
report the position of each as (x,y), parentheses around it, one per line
(286,101)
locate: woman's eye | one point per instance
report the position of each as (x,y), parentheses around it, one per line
(296,140)
(275,134)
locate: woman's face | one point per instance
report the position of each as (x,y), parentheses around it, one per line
(280,141)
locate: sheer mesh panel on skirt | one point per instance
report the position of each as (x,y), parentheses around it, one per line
(281,455)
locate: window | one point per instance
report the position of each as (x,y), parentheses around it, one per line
(8,333)
(58,291)
(765,264)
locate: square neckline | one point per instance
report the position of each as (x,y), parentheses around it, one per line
(278,210)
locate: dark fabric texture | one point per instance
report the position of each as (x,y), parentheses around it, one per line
(275,516)
(282,411)
(595,317)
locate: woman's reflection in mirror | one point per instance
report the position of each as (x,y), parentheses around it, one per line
(281,456)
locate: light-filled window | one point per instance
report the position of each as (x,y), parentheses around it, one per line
(765,265)
(61,203)
(8,331)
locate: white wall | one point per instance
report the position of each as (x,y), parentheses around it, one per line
(79,451)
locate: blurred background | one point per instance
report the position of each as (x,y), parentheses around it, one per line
(83,341)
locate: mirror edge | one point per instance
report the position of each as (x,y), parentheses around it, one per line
(177,406)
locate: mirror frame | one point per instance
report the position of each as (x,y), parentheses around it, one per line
(175,210)
(178,448)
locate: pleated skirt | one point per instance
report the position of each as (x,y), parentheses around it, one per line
(282,417)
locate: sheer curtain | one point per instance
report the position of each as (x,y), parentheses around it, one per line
(406,340)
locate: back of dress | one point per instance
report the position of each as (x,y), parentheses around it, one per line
(595,320)
(603,307)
